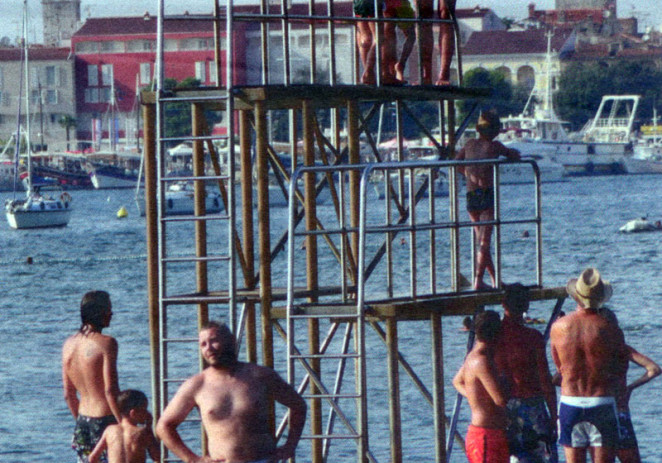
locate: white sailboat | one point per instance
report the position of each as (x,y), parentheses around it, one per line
(39,208)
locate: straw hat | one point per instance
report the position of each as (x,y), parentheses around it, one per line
(589,290)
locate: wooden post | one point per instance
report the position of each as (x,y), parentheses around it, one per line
(438,391)
(202,281)
(394,389)
(262,167)
(307,115)
(247,228)
(151,225)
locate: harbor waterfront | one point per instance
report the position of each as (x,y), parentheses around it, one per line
(39,307)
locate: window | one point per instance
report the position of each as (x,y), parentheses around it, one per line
(145,73)
(170,45)
(107,74)
(5,98)
(51,76)
(200,73)
(112,46)
(50,97)
(213,78)
(35,97)
(92,75)
(91,95)
(105,95)
(139,46)
(87,47)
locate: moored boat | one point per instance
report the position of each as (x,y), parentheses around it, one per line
(179,198)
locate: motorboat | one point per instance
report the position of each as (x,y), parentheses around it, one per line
(179,200)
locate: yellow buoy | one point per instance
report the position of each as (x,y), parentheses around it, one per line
(122,213)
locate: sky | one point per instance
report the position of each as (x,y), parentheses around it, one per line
(648,11)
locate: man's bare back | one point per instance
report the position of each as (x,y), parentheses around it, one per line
(89,368)
(584,348)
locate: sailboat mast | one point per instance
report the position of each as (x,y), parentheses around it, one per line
(548,87)
(26,71)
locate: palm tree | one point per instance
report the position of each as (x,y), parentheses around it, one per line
(68,122)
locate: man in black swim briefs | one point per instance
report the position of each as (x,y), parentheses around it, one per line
(480,188)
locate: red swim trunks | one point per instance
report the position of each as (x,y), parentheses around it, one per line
(486,445)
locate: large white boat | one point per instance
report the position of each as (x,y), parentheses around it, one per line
(37,209)
(602,148)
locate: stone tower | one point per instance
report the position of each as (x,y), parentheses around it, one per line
(61,19)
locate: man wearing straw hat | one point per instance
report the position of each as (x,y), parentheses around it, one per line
(590,353)
(480,188)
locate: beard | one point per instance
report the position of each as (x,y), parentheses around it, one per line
(225,359)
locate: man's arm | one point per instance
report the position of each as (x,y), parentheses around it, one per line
(70,394)
(499,149)
(111,386)
(173,415)
(461,155)
(99,448)
(487,374)
(151,444)
(546,384)
(283,393)
(652,370)
(459,381)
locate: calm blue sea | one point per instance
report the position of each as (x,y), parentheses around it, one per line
(39,306)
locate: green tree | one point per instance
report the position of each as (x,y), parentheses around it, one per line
(505,99)
(178,115)
(582,86)
(68,122)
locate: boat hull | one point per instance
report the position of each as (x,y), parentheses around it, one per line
(22,215)
(183,204)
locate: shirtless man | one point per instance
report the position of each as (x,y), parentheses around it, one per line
(520,357)
(446,40)
(590,354)
(480,188)
(131,439)
(627,449)
(233,398)
(89,374)
(477,381)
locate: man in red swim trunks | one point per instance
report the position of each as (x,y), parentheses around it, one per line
(477,381)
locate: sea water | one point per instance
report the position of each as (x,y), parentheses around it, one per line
(39,308)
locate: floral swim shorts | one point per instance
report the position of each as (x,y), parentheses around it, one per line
(87,433)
